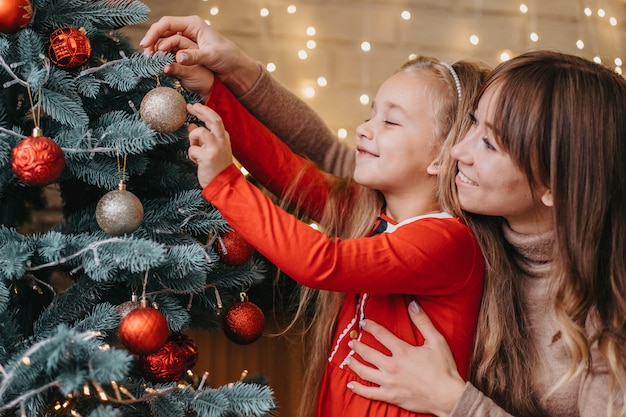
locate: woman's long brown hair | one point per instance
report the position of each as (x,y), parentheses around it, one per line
(563,122)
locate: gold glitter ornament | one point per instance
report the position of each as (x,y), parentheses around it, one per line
(163,109)
(119,212)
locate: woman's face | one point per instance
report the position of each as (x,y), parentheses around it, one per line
(490,183)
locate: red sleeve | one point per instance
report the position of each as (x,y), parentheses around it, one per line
(266,157)
(422,257)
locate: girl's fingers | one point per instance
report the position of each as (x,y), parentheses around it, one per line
(211,119)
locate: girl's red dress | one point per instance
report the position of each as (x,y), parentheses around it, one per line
(433,259)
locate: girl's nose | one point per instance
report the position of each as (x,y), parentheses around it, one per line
(363,131)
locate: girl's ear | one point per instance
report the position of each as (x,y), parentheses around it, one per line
(434,167)
(546,198)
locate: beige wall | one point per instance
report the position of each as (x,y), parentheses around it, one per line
(437,27)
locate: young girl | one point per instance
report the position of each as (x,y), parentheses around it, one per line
(415,251)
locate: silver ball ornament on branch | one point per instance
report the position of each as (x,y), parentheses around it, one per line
(128,306)
(119,212)
(163,109)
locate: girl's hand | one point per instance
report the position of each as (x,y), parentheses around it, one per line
(422,379)
(209,147)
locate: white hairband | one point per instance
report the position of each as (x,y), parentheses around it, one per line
(457,82)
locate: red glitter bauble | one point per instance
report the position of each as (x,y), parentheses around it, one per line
(244,322)
(170,363)
(15,15)
(37,160)
(69,48)
(233,249)
(143,331)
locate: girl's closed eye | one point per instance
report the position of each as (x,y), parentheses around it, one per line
(472,118)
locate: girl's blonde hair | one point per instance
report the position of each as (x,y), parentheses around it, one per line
(351,210)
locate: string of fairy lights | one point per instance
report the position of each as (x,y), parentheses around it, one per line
(592,19)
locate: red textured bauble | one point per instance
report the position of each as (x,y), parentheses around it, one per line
(69,48)
(143,331)
(233,249)
(244,322)
(169,363)
(37,160)
(15,15)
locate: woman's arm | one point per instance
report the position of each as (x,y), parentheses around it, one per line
(200,50)
(298,125)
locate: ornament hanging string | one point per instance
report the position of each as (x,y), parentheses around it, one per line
(121,167)
(36,115)
(144,300)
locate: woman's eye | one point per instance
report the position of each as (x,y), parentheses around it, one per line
(472,118)
(389,122)
(488,144)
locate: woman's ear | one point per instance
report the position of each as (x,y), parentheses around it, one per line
(546,198)
(434,167)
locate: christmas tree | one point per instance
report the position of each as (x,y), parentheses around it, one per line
(93,310)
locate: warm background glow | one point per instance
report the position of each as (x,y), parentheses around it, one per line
(335,53)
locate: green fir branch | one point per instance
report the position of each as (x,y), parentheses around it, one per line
(249,400)
(90,14)
(209,403)
(63,109)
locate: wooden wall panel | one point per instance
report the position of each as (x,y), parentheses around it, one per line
(277,358)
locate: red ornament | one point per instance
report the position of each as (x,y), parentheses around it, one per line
(244,322)
(143,331)
(37,160)
(69,48)
(170,363)
(15,15)
(233,249)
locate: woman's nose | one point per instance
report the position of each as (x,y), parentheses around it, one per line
(460,151)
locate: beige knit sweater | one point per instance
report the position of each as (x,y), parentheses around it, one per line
(300,127)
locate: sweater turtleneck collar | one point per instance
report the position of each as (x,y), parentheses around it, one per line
(534,252)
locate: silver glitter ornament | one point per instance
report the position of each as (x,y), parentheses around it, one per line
(128,306)
(119,212)
(163,109)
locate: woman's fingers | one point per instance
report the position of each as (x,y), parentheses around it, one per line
(188,26)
